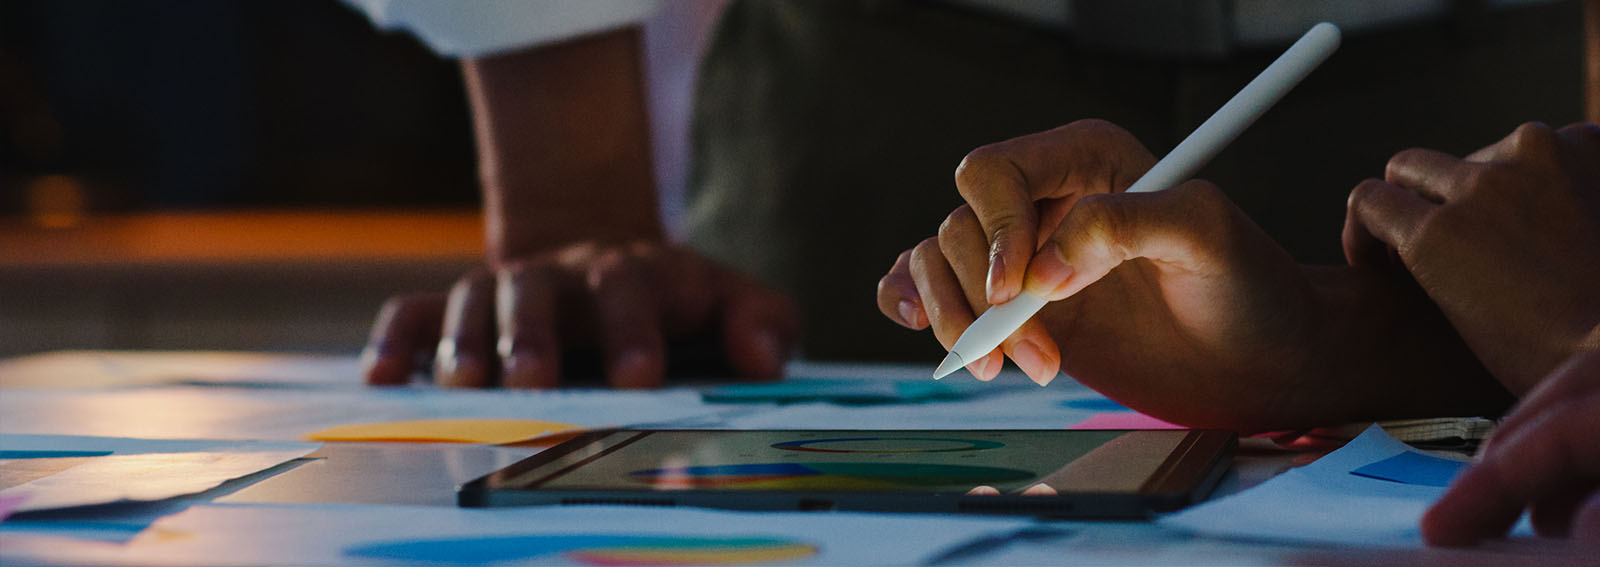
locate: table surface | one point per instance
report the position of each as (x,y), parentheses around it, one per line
(427,474)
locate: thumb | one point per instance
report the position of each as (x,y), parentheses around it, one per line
(1178,227)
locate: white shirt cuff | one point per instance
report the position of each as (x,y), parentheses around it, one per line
(477,28)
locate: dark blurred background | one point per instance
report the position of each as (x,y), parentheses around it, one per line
(246,174)
(197,104)
(192,174)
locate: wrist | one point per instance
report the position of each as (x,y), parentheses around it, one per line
(563,145)
(1391,353)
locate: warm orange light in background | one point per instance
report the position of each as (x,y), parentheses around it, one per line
(226,238)
(56,201)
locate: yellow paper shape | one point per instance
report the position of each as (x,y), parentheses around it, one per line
(488,431)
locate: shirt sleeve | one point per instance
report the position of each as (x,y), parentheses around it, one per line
(487,27)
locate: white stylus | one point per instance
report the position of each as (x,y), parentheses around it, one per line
(1217,132)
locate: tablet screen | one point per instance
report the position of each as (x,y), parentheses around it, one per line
(859,461)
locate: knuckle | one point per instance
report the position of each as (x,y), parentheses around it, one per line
(1098,217)
(1532,139)
(609,267)
(1362,193)
(981,162)
(926,250)
(1400,160)
(1207,204)
(1202,193)
(1532,132)
(1094,125)
(1098,129)
(958,223)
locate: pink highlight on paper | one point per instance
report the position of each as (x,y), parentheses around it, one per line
(1124,420)
(9,504)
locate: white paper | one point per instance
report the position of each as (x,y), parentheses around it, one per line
(132,446)
(142,478)
(368,535)
(140,470)
(1322,502)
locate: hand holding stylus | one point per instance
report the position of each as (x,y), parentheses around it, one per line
(1051,275)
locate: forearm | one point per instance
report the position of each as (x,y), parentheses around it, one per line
(563,145)
(1387,345)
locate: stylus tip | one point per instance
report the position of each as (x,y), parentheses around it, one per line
(952,362)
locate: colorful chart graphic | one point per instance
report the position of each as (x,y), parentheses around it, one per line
(828,476)
(887,445)
(591,549)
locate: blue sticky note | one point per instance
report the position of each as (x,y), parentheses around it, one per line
(50,454)
(1413,468)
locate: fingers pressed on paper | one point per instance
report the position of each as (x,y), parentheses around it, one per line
(897,295)
(466,343)
(629,315)
(1518,471)
(1552,514)
(406,330)
(526,297)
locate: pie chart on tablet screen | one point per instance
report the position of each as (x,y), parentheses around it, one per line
(828,476)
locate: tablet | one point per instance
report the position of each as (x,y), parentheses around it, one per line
(1059,473)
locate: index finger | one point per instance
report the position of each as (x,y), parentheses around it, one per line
(1003,181)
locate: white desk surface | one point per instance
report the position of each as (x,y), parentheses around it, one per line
(426,474)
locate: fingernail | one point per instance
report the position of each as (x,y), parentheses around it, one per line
(908,313)
(995,283)
(1048,273)
(505,346)
(995,363)
(978,367)
(445,363)
(369,356)
(1040,489)
(1031,358)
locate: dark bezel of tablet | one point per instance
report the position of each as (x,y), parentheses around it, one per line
(1188,475)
